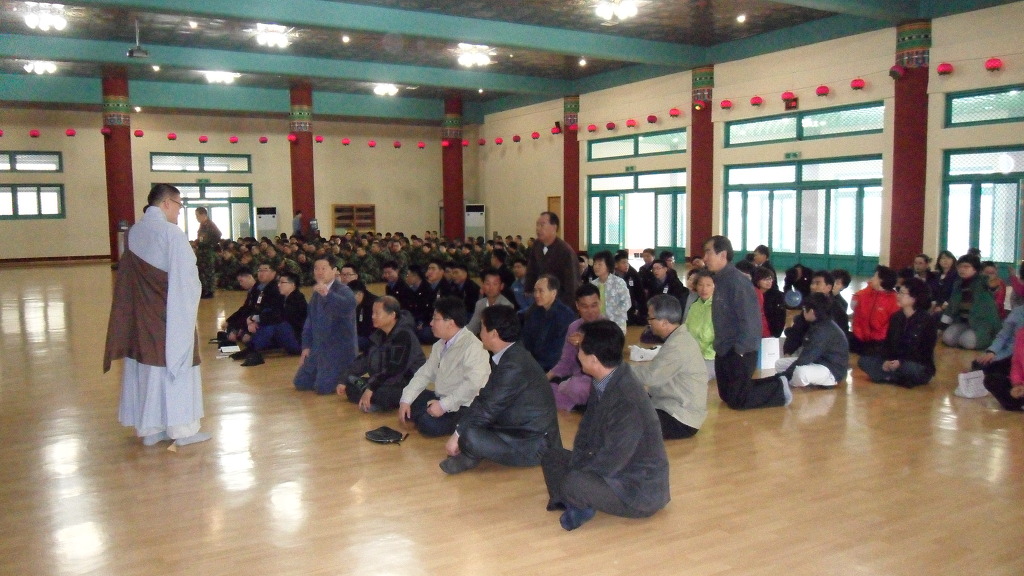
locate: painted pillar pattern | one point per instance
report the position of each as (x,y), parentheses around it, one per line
(702,161)
(571,172)
(451,167)
(117,154)
(300,125)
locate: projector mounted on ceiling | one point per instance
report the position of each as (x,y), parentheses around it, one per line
(137,51)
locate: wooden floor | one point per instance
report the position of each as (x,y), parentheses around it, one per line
(861,480)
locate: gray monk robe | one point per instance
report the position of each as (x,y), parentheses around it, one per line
(153,327)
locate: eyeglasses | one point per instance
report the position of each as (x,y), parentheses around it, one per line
(176,202)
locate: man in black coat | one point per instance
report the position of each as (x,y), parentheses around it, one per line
(618,463)
(513,420)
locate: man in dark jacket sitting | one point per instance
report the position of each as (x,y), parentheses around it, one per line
(825,354)
(513,420)
(282,328)
(376,378)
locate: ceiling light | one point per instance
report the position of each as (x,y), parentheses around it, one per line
(385,89)
(40,67)
(156,68)
(480,91)
(193,24)
(741,18)
(583,61)
(137,51)
(45,16)
(474,54)
(215,77)
(614,11)
(346,39)
(273,35)
(138,108)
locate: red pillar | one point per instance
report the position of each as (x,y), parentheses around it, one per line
(910,143)
(571,172)
(303,195)
(117,155)
(451,166)
(702,162)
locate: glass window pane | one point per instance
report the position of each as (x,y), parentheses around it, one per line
(999,221)
(664,221)
(991,107)
(770,130)
(662,180)
(681,220)
(225,163)
(784,221)
(662,143)
(5,162)
(37,162)
(761,175)
(49,200)
(758,211)
(843,121)
(606,183)
(734,218)
(188,191)
(995,162)
(855,170)
(812,222)
(595,219)
(6,202)
(174,163)
(871,215)
(28,201)
(843,222)
(611,220)
(639,217)
(612,148)
(958,230)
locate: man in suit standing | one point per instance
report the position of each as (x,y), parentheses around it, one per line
(329,341)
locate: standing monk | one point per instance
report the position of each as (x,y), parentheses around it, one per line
(153,326)
(206,253)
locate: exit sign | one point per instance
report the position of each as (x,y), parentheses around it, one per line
(202,180)
(630,168)
(792,155)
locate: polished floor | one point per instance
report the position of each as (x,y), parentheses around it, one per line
(860,480)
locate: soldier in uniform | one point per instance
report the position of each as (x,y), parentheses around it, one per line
(206,252)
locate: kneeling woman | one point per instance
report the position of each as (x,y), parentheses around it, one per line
(907,358)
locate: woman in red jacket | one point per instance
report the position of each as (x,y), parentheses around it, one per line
(872,308)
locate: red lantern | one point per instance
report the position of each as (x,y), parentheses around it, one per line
(674,112)
(319,139)
(465,143)
(292,138)
(139,133)
(556,130)
(897,72)
(172,136)
(610,125)
(756,101)
(993,64)
(421,144)
(699,105)
(857,83)
(106,130)
(822,90)
(264,139)
(482,141)
(372,143)
(1,132)
(516,138)
(535,135)
(652,119)
(233,139)
(726,104)
(574,127)
(203,139)
(944,69)
(70,132)
(345,141)
(630,123)
(498,141)
(445,143)
(591,128)
(397,144)
(34,133)
(787,95)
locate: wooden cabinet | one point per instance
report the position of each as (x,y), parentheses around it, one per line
(354,217)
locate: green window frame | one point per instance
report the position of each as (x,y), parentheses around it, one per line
(859,119)
(31,202)
(624,206)
(991,106)
(31,161)
(202,163)
(237,198)
(638,145)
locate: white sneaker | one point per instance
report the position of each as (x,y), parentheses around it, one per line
(638,354)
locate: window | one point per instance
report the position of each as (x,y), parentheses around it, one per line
(861,119)
(228,205)
(160,162)
(1005,104)
(648,144)
(31,201)
(637,211)
(31,162)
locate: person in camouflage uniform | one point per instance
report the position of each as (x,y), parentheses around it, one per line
(366,264)
(207,239)
(227,268)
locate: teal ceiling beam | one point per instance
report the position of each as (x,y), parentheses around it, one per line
(793,37)
(107,52)
(359,105)
(376,19)
(50,89)
(937,8)
(888,10)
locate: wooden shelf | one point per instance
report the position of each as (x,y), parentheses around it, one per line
(352,217)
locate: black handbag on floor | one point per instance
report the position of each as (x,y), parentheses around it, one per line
(386,435)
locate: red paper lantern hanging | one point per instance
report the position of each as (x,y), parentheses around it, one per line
(944,69)
(516,138)
(345,141)
(139,133)
(421,144)
(897,72)
(756,101)
(857,83)
(172,136)
(630,123)
(535,135)
(465,143)
(674,112)
(787,95)
(372,143)
(264,139)
(233,139)
(106,130)
(481,141)
(556,130)
(203,139)
(591,127)
(822,90)
(498,141)
(397,144)
(445,143)
(699,105)
(34,133)
(993,64)
(70,132)
(652,119)
(610,126)
(319,139)
(1,132)
(726,104)
(574,127)
(292,138)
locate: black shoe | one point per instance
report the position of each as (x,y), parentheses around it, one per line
(456,464)
(253,359)
(241,354)
(552,506)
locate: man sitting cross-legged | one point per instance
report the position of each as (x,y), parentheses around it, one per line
(618,463)
(458,367)
(491,294)
(284,329)
(570,384)
(393,357)
(513,420)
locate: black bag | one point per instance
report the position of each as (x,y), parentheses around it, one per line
(386,435)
